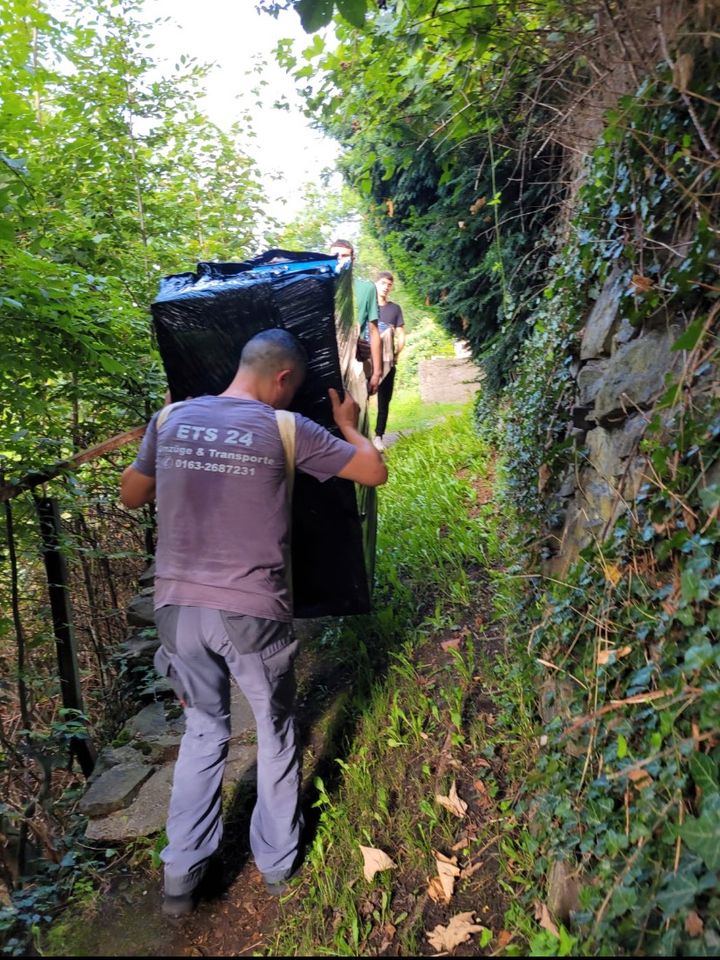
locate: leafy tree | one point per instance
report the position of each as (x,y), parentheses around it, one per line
(110,178)
(437,136)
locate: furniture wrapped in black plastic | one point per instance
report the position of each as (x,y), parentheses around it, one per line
(202,321)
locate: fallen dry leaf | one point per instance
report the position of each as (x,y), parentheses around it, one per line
(469,871)
(462,842)
(435,890)
(442,887)
(504,938)
(453,644)
(682,71)
(612,573)
(542,915)
(482,763)
(642,284)
(604,655)
(694,925)
(375,861)
(458,931)
(640,779)
(452,802)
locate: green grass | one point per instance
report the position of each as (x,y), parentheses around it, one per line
(408,412)
(408,706)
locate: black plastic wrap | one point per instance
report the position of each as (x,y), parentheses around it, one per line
(203,320)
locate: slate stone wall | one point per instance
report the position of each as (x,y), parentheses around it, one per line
(619,373)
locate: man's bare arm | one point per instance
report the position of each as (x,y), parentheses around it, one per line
(136,489)
(366,466)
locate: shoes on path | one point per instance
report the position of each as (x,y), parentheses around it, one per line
(179,906)
(279,887)
(378,444)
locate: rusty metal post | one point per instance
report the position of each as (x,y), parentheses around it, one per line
(59,591)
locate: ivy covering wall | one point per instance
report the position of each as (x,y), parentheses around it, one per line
(624,624)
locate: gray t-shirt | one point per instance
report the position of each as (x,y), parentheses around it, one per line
(222,502)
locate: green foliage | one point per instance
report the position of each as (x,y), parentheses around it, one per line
(435,137)
(316,14)
(109,178)
(626,785)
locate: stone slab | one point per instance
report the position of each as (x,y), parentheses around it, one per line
(113,756)
(145,816)
(150,722)
(141,609)
(589,382)
(147,577)
(608,450)
(635,375)
(596,339)
(137,647)
(115,789)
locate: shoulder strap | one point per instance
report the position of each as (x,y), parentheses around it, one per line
(165,412)
(286,426)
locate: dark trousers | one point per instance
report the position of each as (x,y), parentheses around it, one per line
(384,396)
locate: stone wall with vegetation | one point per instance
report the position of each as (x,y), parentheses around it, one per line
(614,483)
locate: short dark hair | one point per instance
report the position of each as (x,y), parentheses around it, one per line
(385,275)
(272,350)
(343,243)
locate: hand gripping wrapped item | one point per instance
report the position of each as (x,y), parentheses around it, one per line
(202,321)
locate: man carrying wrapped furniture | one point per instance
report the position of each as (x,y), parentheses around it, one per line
(392,337)
(217,467)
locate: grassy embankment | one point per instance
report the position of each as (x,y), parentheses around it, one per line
(423,719)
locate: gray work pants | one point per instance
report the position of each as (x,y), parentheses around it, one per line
(201,649)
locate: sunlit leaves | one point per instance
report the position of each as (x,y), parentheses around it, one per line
(109,178)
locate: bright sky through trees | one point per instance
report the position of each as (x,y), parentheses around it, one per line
(232,35)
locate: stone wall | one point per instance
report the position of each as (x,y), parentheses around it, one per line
(620,371)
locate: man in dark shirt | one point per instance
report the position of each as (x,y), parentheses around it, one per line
(392,337)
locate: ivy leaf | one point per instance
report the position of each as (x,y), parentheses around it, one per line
(678,892)
(315,14)
(689,339)
(704,773)
(710,496)
(702,835)
(353,11)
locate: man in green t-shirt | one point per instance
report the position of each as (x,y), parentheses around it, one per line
(367,312)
